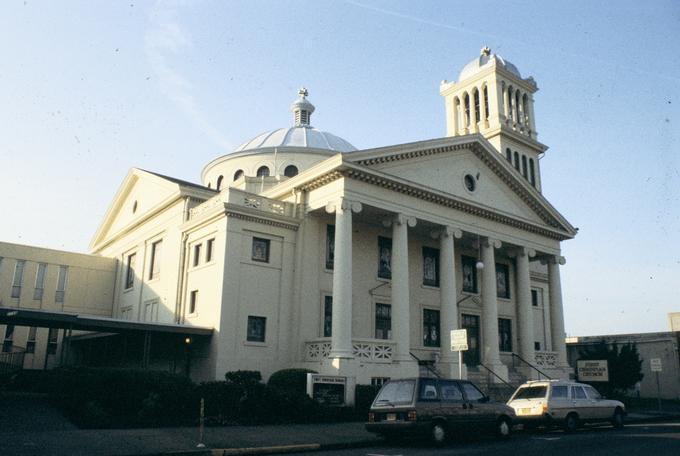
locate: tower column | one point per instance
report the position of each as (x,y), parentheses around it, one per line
(341,339)
(532,121)
(491,351)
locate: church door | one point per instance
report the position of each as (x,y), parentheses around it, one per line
(471,355)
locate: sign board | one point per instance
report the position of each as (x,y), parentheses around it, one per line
(459,340)
(655,364)
(592,370)
(327,389)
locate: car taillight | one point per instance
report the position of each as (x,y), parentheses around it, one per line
(545,407)
(412,416)
(371,417)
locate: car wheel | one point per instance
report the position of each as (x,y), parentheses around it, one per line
(503,428)
(617,419)
(439,433)
(571,422)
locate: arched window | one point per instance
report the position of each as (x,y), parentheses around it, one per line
(508,155)
(263,171)
(486,103)
(532,176)
(517,106)
(476,96)
(219,183)
(516,161)
(510,104)
(524,166)
(290,171)
(238,174)
(466,101)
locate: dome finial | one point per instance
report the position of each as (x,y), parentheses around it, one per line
(302,109)
(485,51)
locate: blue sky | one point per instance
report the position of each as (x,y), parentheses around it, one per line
(89,89)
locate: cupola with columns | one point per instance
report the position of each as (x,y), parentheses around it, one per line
(493,99)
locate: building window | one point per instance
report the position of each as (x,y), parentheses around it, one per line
(193,301)
(534,297)
(290,171)
(155,266)
(9,339)
(126,313)
(209,246)
(327,316)
(430,267)
(218,187)
(532,175)
(469,274)
(18,278)
(385,257)
(238,174)
(30,342)
(52,341)
(516,161)
(130,271)
(151,310)
(486,103)
(430,328)
(330,246)
(40,282)
(197,254)
(61,283)
(256,329)
(469,182)
(508,155)
(537,346)
(524,167)
(504,335)
(379,381)
(260,250)
(263,171)
(502,281)
(383,321)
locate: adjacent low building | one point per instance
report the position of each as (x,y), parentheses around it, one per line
(299,250)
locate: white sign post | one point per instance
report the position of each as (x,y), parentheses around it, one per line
(592,370)
(655,365)
(459,344)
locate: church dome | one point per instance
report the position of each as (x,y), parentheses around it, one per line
(485,60)
(300,135)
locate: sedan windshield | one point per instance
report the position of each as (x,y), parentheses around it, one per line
(395,393)
(531,392)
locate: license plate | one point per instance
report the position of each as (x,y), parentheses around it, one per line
(391,417)
(524,411)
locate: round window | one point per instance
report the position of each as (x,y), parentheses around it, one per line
(470,182)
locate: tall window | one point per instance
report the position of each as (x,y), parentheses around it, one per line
(385,257)
(9,339)
(476,97)
(327,316)
(52,341)
(209,246)
(430,328)
(532,175)
(486,102)
(40,282)
(524,167)
(197,254)
(18,278)
(61,283)
(193,301)
(330,246)
(260,250)
(30,342)
(516,161)
(508,155)
(383,321)
(130,271)
(502,281)
(469,274)
(430,267)
(466,100)
(257,327)
(504,334)
(536,297)
(155,266)
(263,171)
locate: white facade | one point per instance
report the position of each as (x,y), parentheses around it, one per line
(356,262)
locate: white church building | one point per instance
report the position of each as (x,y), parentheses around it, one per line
(298,250)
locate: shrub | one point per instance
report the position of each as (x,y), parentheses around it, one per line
(243,378)
(290,380)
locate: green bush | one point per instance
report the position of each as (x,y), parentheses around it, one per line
(290,380)
(243,378)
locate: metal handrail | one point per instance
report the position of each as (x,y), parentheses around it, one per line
(499,378)
(540,372)
(427,366)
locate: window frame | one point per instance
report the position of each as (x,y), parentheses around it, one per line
(254,255)
(18,279)
(431,252)
(327,316)
(504,271)
(429,325)
(384,263)
(154,259)
(39,289)
(210,250)
(193,302)
(130,260)
(62,281)
(505,335)
(330,246)
(251,334)
(471,262)
(385,321)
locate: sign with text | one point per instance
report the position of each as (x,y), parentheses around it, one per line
(592,370)
(655,364)
(459,340)
(327,389)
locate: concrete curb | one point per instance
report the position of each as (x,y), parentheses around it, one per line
(279,449)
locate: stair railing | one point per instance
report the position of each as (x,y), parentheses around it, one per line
(427,365)
(540,372)
(498,377)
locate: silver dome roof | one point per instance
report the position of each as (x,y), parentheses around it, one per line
(301,134)
(483,61)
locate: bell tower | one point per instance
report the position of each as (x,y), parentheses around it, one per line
(491,98)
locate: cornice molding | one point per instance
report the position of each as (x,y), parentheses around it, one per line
(262,220)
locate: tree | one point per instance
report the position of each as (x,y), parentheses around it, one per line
(625,366)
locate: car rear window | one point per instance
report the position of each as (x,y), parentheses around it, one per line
(531,392)
(393,393)
(559,392)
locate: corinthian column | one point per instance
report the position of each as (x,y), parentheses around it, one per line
(525,313)
(491,352)
(556,310)
(341,338)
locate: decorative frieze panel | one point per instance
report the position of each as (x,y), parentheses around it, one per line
(236,197)
(364,350)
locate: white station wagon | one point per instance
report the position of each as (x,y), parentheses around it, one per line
(559,402)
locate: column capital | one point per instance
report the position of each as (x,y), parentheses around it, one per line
(399,219)
(490,242)
(445,232)
(522,251)
(554,259)
(344,205)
